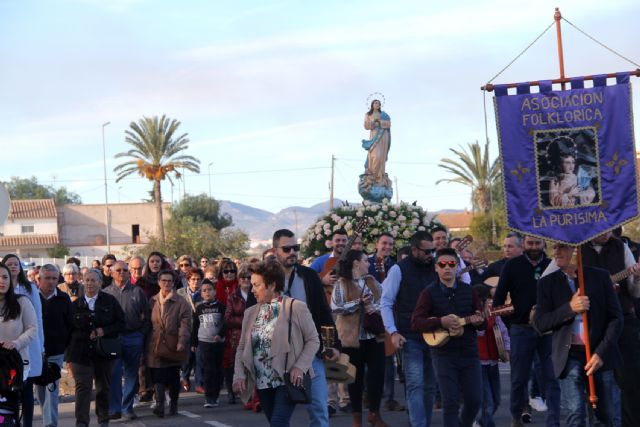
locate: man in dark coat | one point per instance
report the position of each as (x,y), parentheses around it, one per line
(559,309)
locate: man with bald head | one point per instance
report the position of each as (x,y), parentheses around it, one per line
(135,306)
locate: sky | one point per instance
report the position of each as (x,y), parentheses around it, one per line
(269,91)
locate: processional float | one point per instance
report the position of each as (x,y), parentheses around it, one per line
(568,157)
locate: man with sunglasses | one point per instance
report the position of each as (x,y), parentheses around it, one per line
(456,363)
(519,278)
(400,290)
(304,284)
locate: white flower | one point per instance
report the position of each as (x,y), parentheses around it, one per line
(321,222)
(375,232)
(327,232)
(326,226)
(319,237)
(374,208)
(406,234)
(421,228)
(348,226)
(359,213)
(415,221)
(327,244)
(385,208)
(316,253)
(396,227)
(402,218)
(425,221)
(393,214)
(394,233)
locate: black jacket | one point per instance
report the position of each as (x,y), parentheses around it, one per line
(604,316)
(57,317)
(107,315)
(317,303)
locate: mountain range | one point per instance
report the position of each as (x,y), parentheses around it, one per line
(260,224)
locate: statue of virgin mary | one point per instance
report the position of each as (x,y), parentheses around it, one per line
(375,184)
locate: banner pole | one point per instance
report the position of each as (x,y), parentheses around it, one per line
(593,399)
(557,16)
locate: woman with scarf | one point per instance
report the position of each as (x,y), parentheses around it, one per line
(225,286)
(22,286)
(265,354)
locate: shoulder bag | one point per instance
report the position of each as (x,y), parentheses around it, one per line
(301,394)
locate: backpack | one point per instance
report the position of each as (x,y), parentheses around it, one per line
(11,381)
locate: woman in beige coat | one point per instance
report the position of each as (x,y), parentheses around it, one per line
(264,347)
(169,342)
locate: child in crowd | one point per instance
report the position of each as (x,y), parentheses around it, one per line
(208,334)
(489,358)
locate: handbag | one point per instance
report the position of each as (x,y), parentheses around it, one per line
(371,322)
(296,394)
(108,348)
(50,374)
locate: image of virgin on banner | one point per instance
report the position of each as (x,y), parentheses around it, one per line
(567,167)
(568,157)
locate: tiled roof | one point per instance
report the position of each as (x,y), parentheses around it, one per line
(456,220)
(29,240)
(39,208)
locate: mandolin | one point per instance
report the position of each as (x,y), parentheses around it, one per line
(441,336)
(331,264)
(472,266)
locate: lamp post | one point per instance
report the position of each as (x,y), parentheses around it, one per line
(209,168)
(119,188)
(106,196)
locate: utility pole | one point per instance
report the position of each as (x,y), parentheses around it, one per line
(295,214)
(395,179)
(209,168)
(106,197)
(333,167)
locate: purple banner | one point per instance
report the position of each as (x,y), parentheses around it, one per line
(568,159)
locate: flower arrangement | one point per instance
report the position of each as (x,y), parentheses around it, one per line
(399,220)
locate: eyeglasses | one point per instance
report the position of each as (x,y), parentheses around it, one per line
(427,251)
(245,277)
(120,270)
(443,264)
(108,265)
(185,265)
(287,249)
(228,271)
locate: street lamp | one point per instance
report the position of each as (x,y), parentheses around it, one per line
(119,188)
(106,196)
(209,168)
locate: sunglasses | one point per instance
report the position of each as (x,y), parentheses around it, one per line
(228,271)
(185,265)
(427,251)
(119,270)
(245,277)
(287,249)
(443,264)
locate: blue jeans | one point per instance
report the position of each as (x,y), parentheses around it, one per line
(389,377)
(458,374)
(490,395)
(276,406)
(49,399)
(317,409)
(120,401)
(574,391)
(194,362)
(524,342)
(419,382)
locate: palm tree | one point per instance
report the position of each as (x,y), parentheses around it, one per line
(473,169)
(156,153)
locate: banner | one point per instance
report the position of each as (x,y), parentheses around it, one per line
(568,158)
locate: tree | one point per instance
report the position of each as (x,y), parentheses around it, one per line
(29,188)
(157,151)
(202,208)
(473,169)
(58,251)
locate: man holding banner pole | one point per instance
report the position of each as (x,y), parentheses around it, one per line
(559,309)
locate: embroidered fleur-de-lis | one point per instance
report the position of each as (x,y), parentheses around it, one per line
(616,163)
(519,172)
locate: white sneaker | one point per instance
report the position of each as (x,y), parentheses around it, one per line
(538,404)
(153,405)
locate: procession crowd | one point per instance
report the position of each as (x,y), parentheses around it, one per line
(272,331)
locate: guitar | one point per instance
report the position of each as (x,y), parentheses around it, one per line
(338,371)
(441,336)
(472,266)
(621,275)
(331,264)
(462,244)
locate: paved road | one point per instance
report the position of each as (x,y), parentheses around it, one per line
(192,414)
